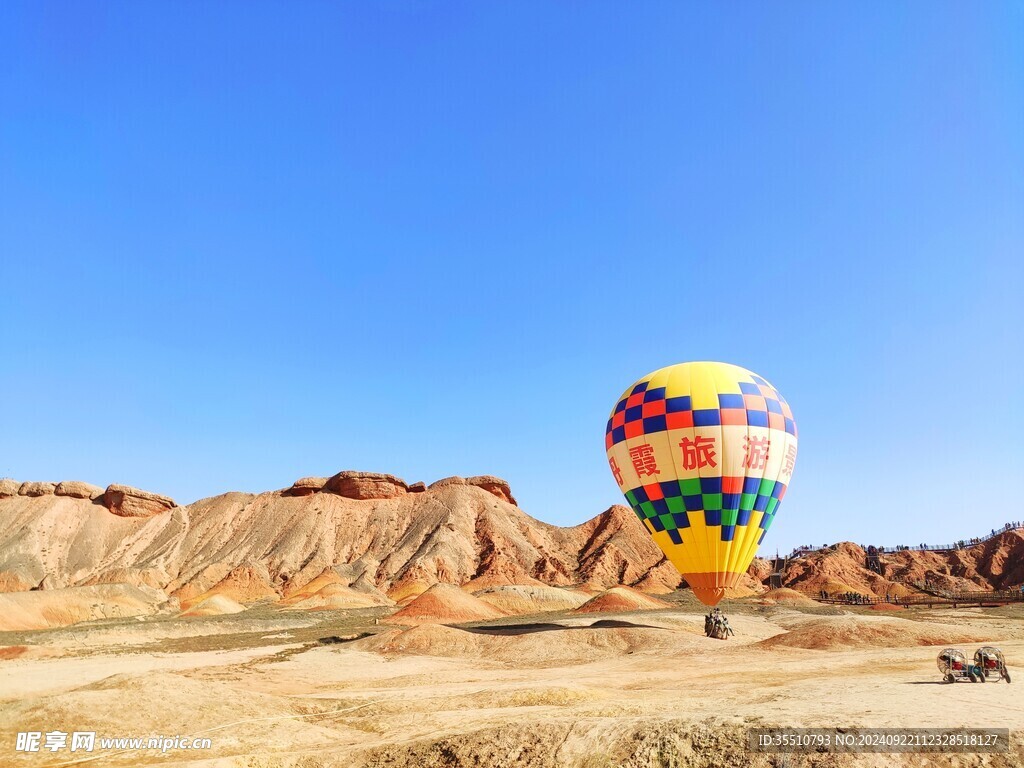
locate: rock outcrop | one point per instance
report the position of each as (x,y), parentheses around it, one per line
(304,486)
(76,489)
(493,485)
(8,487)
(36,489)
(366,485)
(125,501)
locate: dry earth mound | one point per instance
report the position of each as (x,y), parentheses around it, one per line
(857,631)
(584,645)
(405,592)
(786,596)
(500,580)
(445,604)
(245,584)
(217,605)
(537,645)
(621,599)
(295,592)
(21,611)
(335,597)
(520,600)
(423,640)
(332,590)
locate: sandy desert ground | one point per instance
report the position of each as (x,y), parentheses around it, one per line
(272,687)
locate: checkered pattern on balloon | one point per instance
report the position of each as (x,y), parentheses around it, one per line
(703,453)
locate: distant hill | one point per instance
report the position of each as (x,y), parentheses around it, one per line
(997,563)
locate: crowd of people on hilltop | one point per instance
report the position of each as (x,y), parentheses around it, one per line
(962,544)
(805,548)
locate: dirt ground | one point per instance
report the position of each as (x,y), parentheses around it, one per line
(343,688)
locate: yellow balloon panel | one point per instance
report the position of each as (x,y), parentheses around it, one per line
(703,453)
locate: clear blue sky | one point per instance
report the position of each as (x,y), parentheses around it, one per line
(245,242)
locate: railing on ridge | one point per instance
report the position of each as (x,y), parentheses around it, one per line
(801,551)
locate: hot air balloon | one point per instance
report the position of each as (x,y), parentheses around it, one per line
(703,453)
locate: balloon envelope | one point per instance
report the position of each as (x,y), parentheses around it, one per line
(703,453)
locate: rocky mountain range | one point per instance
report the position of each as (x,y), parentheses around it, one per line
(366,527)
(376,535)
